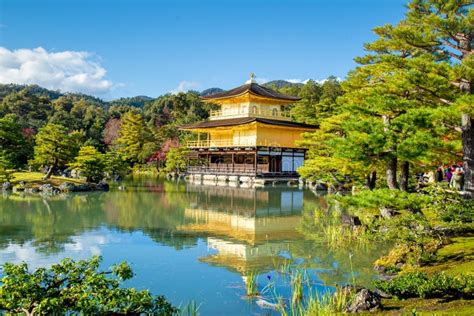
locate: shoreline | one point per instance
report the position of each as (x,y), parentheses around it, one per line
(33,182)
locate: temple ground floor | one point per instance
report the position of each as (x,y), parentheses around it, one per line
(245,164)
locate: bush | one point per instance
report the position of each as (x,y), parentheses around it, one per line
(385,198)
(419,284)
(450,206)
(75,287)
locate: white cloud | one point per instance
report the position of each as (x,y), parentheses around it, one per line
(80,247)
(68,71)
(306,80)
(297,80)
(324,80)
(184,86)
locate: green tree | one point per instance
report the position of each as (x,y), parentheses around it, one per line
(55,147)
(90,163)
(114,164)
(445,31)
(76,287)
(136,142)
(14,149)
(176,160)
(32,110)
(305,110)
(396,97)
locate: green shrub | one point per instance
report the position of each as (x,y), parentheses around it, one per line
(385,198)
(419,284)
(76,288)
(450,206)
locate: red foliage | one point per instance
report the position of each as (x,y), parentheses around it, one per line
(28,132)
(160,155)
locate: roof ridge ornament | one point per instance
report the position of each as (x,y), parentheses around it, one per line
(252,78)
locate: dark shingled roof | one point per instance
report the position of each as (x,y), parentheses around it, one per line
(254,89)
(244,120)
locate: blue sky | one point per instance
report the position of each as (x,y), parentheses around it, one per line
(125,48)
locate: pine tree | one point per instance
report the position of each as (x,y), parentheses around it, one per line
(394,99)
(55,147)
(445,31)
(135,143)
(13,145)
(90,163)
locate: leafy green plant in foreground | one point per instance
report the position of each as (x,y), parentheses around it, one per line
(75,287)
(419,284)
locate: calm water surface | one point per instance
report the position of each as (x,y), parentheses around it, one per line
(188,242)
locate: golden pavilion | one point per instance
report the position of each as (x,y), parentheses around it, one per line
(250,135)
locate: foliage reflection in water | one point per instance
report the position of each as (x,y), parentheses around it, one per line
(191,242)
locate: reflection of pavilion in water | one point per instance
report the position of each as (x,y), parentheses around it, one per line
(249,227)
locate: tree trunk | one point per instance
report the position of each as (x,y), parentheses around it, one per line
(404,174)
(370,180)
(392,173)
(468,154)
(392,160)
(49,173)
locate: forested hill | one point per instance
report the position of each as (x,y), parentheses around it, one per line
(210,91)
(137,128)
(138,101)
(278,84)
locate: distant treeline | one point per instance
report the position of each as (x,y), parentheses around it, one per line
(139,130)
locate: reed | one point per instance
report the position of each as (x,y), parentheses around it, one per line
(337,235)
(312,302)
(251,286)
(296,286)
(191,309)
(285,267)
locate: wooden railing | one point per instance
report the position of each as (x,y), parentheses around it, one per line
(230,113)
(223,168)
(229,143)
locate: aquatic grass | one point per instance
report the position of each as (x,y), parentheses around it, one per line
(306,300)
(190,309)
(285,268)
(251,285)
(319,304)
(352,268)
(282,267)
(337,235)
(296,286)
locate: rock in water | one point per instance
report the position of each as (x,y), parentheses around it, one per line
(46,188)
(103,186)
(365,300)
(67,187)
(6,186)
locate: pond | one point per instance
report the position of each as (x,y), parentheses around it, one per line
(189,242)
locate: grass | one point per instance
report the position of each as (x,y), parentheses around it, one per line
(296,286)
(251,286)
(316,304)
(35,179)
(426,307)
(454,258)
(190,309)
(337,235)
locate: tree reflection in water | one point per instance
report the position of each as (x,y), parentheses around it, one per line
(249,229)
